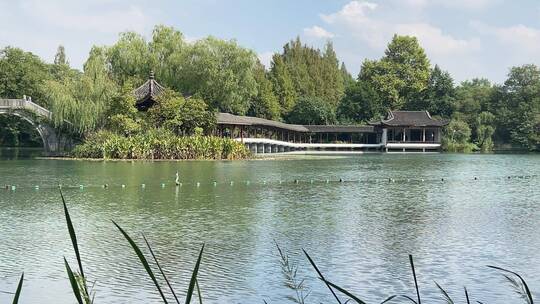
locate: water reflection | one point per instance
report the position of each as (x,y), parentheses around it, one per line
(359,231)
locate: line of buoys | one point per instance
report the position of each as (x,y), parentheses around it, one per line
(295,181)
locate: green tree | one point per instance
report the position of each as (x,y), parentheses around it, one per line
(312,111)
(22,73)
(129,58)
(401,75)
(265,104)
(457,137)
(60,57)
(439,97)
(283,84)
(181,116)
(168,49)
(220,72)
(360,104)
(302,71)
(81,104)
(517,107)
(485,128)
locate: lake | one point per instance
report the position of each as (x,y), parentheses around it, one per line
(359,231)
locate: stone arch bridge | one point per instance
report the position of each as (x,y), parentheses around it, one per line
(53,141)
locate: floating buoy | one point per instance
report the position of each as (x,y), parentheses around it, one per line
(232,183)
(264,182)
(123,186)
(198,184)
(162,185)
(442,179)
(422,180)
(215,183)
(341,180)
(36,187)
(475,178)
(143,185)
(105,185)
(81,186)
(13,188)
(327,181)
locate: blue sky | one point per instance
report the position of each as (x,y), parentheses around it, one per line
(469,38)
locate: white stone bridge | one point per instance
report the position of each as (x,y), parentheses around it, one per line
(39,117)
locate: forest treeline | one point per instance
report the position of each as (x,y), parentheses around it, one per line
(302,85)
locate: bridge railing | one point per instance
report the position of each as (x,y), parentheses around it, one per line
(25,104)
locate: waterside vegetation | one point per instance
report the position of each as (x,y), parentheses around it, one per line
(302,85)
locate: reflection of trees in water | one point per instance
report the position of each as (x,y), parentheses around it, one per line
(16,132)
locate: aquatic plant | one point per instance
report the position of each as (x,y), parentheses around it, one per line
(159,144)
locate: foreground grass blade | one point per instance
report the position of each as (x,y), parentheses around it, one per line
(445,294)
(19,288)
(143,260)
(345,292)
(73,282)
(409,298)
(198,291)
(160,269)
(321,275)
(467,295)
(72,234)
(527,292)
(390,298)
(415,280)
(193,280)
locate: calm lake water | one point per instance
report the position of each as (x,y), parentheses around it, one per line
(359,231)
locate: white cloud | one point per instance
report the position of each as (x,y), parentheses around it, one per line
(521,38)
(318,32)
(457,4)
(435,41)
(376,31)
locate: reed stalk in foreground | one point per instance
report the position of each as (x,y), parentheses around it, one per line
(77,280)
(192,284)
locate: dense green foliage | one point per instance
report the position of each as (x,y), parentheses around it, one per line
(302,85)
(159,144)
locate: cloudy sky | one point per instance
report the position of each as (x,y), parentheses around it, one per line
(469,38)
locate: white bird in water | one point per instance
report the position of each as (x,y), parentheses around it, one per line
(177,180)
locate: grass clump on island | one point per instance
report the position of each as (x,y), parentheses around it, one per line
(159,144)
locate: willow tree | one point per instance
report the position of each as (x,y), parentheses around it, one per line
(80,103)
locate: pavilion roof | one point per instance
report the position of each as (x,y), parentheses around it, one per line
(410,119)
(149,90)
(230,119)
